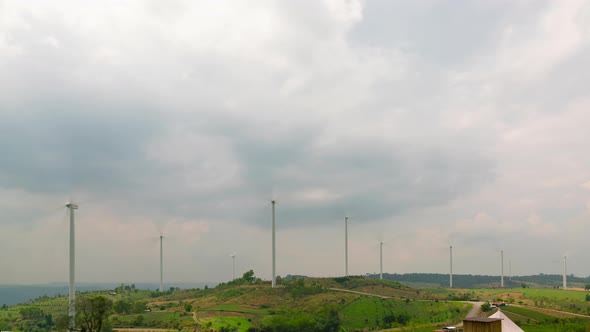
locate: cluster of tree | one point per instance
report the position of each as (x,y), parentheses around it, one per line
(32,319)
(392,320)
(325,320)
(125,289)
(298,288)
(166,292)
(248,278)
(92,315)
(129,307)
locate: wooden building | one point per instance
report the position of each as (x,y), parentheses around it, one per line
(479,324)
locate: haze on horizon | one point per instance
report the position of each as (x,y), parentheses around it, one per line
(429,123)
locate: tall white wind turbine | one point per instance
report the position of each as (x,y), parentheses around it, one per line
(72,302)
(451,267)
(564,272)
(274,280)
(161,264)
(346,246)
(233,264)
(502,269)
(380,260)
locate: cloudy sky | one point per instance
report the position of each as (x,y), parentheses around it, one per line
(429,123)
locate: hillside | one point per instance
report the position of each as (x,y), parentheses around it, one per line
(249,304)
(299,304)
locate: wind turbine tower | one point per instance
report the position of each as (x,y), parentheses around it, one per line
(161,265)
(274,280)
(451,267)
(233,265)
(380,260)
(346,246)
(502,263)
(564,272)
(72,304)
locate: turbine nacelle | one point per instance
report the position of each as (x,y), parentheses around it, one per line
(72,206)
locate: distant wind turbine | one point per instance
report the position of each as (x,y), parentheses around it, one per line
(161,264)
(346,246)
(451,267)
(380,260)
(233,257)
(72,301)
(564,272)
(502,269)
(274,280)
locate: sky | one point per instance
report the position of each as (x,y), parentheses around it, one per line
(429,123)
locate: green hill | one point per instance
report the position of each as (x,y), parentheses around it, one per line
(249,304)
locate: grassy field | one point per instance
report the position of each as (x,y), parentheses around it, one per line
(374,312)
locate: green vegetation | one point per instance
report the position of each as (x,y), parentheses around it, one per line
(249,304)
(387,313)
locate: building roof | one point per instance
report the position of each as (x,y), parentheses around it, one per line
(482,319)
(507,324)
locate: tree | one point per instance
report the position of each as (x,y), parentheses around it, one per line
(92,313)
(31,313)
(138,320)
(139,306)
(249,277)
(122,307)
(188,307)
(587,287)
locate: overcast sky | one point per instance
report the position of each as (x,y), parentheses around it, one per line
(429,123)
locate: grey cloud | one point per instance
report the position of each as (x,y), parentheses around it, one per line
(440,32)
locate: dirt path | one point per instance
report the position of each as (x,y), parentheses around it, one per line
(360,293)
(476,310)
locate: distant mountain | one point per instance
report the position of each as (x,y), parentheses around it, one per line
(14,294)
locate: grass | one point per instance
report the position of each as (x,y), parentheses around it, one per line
(373,313)
(529,314)
(152,319)
(241,323)
(237,308)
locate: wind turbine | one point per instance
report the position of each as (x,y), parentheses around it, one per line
(564,272)
(451,267)
(72,303)
(502,269)
(346,246)
(233,257)
(380,260)
(161,264)
(274,280)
